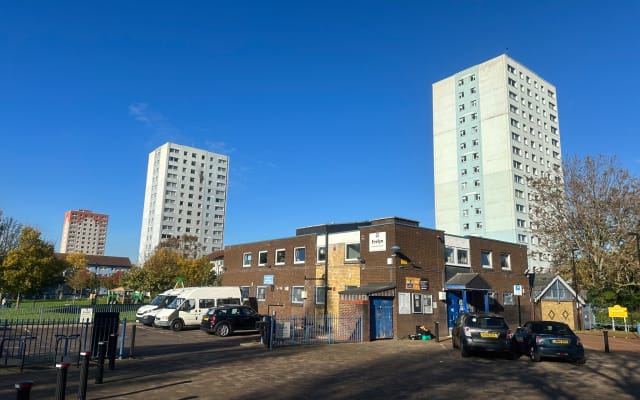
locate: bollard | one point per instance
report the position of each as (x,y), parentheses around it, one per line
(24,390)
(133,341)
(61,383)
(84,374)
(111,352)
(102,350)
(437,331)
(606,341)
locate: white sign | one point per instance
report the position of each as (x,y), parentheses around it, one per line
(86,315)
(517,290)
(378,241)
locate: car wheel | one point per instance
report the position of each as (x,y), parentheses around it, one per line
(177,325)
(534,354)
(464,352)
(223,330)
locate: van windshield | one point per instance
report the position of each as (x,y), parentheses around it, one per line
(160,299)
(176,303)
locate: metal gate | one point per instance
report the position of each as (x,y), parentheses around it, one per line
(381,318)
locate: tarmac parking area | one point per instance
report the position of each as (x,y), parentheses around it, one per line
(195,365)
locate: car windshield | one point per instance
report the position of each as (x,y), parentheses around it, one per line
(177,302)
(487,323)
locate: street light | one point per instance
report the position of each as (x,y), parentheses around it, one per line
(575,285)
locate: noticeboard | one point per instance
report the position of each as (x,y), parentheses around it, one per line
(618,312)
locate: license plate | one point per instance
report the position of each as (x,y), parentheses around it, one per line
(205,318)
(493,335)
(560,341)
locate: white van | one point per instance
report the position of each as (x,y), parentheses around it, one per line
(191,304)
(146,313)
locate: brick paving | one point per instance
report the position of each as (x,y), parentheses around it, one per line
(194,365)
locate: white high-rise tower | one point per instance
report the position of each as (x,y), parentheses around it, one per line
(186,194)
(495,125)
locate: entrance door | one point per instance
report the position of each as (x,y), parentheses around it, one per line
(381,318)
(454,308)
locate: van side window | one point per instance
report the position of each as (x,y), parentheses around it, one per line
(207,303)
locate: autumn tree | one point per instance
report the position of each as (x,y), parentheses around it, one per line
(76,275)
(588,217)
(197,272)
(10,231)
(32,266)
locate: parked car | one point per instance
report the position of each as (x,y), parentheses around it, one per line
(539,339)
(481,332)
(226,320)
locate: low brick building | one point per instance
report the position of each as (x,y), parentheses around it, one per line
(395,273)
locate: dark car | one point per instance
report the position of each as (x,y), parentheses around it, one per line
(226,320)
(540,339)
(482,333)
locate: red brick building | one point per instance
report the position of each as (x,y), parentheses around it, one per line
(395,273)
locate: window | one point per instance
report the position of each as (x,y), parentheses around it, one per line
(322,254)
(352,251)
(261,293)
(296,294)
(246,259)
(518,179)
(320,292)
(244,292)
(519,208)
(280,256)
(507,299)
(505,261)
(448,255)
(521,223)
(522,238)
(485,256)
(263,258)
(462,256)
(299,255)
(427,304)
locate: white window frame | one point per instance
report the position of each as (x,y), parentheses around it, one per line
(245,290)
(346,251)
(296,258)
(319,252)
(507,258)
(294,290)
(275,259)
(261,293)
(427,304)
(508,299)
(489,256)
(266,258)
(246,259)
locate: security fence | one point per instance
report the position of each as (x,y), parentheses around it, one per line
(293,331)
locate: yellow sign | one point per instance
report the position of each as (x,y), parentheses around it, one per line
(412,283)
(617,312)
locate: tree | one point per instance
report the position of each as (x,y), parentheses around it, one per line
(9,235)
(197,272)
(32,266)
(76,275)
(590,217)
(186,245)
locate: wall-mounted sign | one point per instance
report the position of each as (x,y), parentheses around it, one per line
(517,290)
(424,284)
(267,280)
(412,283)
(377,241)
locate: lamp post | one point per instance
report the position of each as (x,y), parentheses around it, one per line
(575,285)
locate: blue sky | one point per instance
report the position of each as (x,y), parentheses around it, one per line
(324,107)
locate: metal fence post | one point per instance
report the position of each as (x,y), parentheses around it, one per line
(133,341)
(111,352)
(122,337)
(84,374)
(61,383)
(102,350)
(23,390)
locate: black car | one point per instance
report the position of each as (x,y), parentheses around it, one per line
(539,339)
(481,332)
(226,320)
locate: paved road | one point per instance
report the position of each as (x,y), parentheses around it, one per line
(194,365)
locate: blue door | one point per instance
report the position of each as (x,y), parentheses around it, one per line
(381,318)
(454,308)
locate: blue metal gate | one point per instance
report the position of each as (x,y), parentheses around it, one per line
(381,318)
(454,308)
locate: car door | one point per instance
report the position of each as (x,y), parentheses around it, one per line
(522,337)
